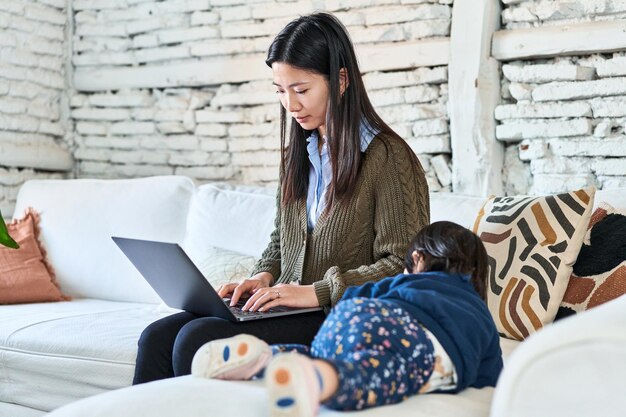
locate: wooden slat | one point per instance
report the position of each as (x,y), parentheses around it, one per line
(404,55)
(549,41)
(474,92)
(47,156)
(208,72)
(392,56)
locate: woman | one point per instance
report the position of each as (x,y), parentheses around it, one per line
(351,195)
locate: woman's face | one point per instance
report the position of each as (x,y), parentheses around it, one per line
(303,94)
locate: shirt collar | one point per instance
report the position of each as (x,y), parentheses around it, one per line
(367,133)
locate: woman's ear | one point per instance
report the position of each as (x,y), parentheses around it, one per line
(343,81)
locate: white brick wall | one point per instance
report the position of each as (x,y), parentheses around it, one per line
(230,131)
(34,138)
(570,120)
(563,119)
(533,13)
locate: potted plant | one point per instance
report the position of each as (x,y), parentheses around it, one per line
(5,239)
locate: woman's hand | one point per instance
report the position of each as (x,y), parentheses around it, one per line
(247,286)
(288,295)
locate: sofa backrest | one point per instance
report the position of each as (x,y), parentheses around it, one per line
(241,218)
(458,208)
(78,217)
(615,197)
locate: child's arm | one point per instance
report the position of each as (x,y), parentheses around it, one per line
(490,366)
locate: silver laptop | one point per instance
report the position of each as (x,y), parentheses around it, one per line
(181,285)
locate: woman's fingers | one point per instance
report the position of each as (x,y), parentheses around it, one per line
(272,303)
(257,299)
(243,288)
(288,295)
(224,290)
(261,299)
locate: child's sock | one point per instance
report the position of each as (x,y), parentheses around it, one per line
(237,358)
(294,386)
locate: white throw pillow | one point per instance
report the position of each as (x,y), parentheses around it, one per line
(221,266)
(78,218)
(239,219)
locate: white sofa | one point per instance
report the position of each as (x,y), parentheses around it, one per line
(52,354)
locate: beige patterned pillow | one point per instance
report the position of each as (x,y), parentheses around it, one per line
(532,243)
(221,266)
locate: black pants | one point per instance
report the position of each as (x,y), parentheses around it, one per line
(167,346)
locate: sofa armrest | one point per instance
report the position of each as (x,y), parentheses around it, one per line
(575,367)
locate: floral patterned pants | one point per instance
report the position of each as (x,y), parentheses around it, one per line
(382,355)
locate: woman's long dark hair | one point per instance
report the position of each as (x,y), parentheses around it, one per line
(449,247)
(321,44)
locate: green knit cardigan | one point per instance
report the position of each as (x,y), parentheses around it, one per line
(361,239)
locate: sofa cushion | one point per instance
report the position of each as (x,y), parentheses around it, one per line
(14,410)
(239,219)
(25,274)
(195,397)
(198,397)
(89,345)
(221,266)
(532,243)
(78,218)
(599,274)
(615,197)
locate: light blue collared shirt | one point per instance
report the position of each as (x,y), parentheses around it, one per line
(321,174)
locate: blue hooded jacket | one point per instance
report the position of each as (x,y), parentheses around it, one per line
(448,306)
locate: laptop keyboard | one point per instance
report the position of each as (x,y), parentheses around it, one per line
(237,311)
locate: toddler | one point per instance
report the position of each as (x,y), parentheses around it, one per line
(426,330)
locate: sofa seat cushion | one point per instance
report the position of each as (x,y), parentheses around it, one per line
(55,353)
(198,397)
(195,397)
(14,410)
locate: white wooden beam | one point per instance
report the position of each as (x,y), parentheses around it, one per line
(404,55)
(48,156)
(208,72)
(572,39)
(474,92)
(392,56)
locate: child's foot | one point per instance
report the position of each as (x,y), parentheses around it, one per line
(293,386)
(237,358)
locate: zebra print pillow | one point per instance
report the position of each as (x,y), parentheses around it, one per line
(532,243)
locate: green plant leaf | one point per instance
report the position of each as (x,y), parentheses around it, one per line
(5,239)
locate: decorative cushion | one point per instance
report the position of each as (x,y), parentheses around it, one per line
(599,274)
(221,266)
(532,243)
(25,275)
(239,219)
(79,216)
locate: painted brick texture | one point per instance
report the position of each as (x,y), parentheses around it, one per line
(34,138)
(562,120)
(518,14)
(230,132)
(568,130)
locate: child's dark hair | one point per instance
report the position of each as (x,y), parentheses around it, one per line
(449,247)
